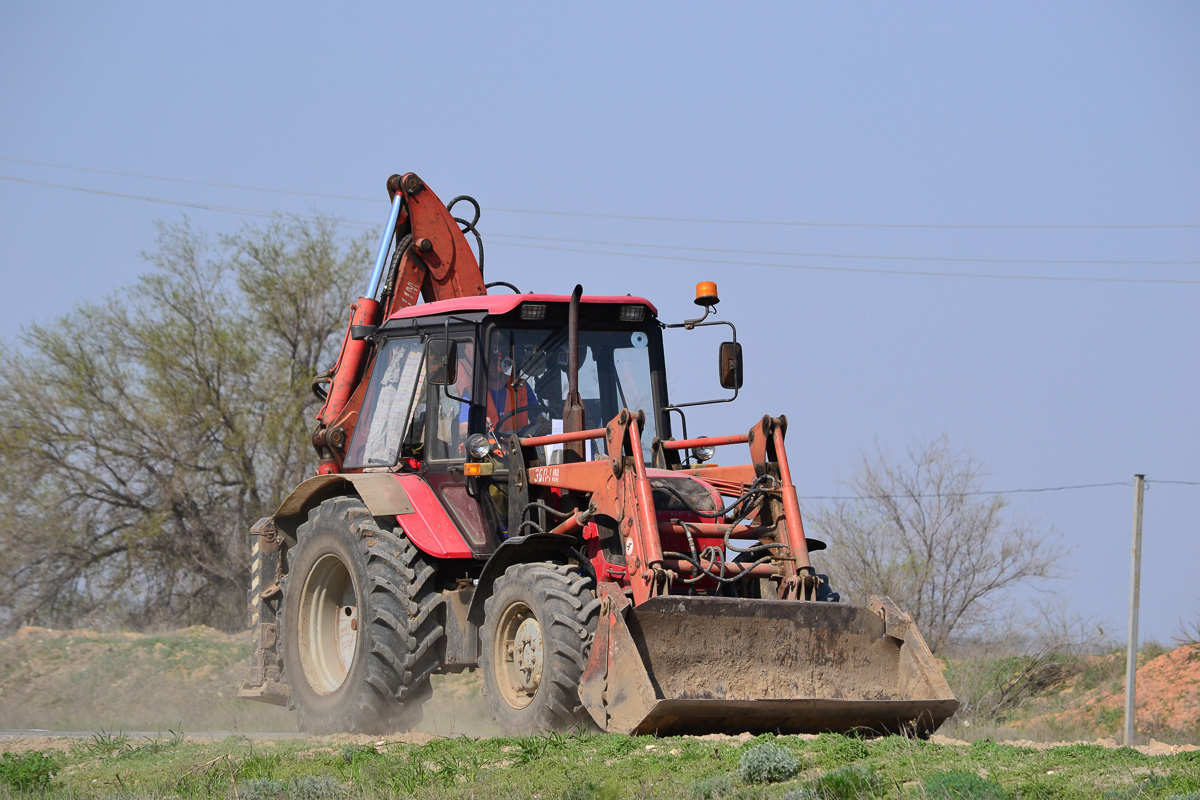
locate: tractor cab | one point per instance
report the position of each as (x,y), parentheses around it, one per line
(500,367)
(451,383)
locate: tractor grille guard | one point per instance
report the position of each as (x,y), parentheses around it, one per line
(620,488)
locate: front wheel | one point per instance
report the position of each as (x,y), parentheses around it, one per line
(538,627)
(360,623)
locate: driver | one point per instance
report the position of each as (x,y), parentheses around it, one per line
(505,396)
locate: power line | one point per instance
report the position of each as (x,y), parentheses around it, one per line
(858,270)
(248,212)
(633,217)
(799,224)
(794,254)
(992,493)
(214,184)
(689,259)
(971,494)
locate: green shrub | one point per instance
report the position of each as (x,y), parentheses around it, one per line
(107,744)
(306,788)
(589,790)
(850,748)
(767,763)
(833,750)
(262,789)
(1153,649)
(962,786)
(713,788)
(799,793)
(315,787)
(352,753)
(360,757)
(27,772)
(1179,785)
(531,748)
(848,783)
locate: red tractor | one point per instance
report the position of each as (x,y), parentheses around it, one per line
(499,488)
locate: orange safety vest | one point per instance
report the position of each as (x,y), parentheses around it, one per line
(517,397)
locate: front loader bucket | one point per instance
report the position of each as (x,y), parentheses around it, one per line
(678,665)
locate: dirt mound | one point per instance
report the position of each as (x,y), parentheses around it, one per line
(1167,696)
(186,680)
(86,680)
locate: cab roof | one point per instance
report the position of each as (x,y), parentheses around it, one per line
(504,303)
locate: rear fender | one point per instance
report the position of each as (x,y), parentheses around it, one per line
(407,498)
(523,550)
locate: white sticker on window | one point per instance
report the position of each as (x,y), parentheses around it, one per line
(639,339)
(554,451)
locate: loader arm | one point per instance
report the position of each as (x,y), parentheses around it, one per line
(619,487)
(666,661)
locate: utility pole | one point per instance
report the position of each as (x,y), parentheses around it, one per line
(1135,586)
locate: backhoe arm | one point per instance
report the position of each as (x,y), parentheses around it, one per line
(431,259)
(438,263)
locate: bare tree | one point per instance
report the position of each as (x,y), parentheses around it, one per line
(922,531)
(1189,629)
(141,436)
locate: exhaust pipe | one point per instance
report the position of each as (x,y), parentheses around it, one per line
(573,452)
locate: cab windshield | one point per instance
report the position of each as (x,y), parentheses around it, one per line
(527,383)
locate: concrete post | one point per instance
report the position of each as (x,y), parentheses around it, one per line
(1135,587)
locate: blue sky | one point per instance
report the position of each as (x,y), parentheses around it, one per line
(1057,127)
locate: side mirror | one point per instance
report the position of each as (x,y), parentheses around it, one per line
(360,332)
(441,361)
(731,365)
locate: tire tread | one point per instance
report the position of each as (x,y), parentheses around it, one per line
(572,612)
(404,626)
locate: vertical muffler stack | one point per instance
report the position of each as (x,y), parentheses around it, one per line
(676,665)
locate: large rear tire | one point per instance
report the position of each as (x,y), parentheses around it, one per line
(360,623)
(537,630)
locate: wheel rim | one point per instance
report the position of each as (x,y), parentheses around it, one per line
(519,655)
(328,624)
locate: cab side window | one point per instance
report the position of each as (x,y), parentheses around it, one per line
(450,415)
(396,380)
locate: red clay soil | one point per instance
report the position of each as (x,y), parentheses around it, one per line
(1167,695)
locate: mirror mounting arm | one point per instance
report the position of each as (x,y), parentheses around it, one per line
(690,325)
(444,350)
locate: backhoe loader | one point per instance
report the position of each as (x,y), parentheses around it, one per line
(499,487)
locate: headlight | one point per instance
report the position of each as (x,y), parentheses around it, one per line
(703,454)
(477,446)
(633,313)
(533,311)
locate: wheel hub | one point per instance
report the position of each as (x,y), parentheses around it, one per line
(528,656)
(328,624)
(520,654)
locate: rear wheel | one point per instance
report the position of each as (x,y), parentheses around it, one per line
(538,627)
(360,623)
